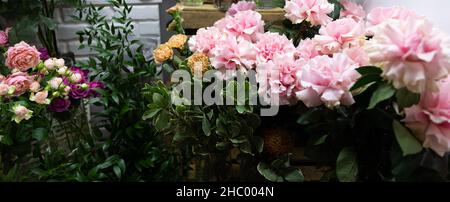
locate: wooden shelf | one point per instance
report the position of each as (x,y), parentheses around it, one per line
(196,17)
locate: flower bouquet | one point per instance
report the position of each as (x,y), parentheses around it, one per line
(366,93)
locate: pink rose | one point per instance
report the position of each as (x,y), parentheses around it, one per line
(2,78)
(22,57)
(55,83)
(241,6)
(21,113)
(314,11)
(278,77)
(4,88)
(21,81)
(245,24)
(412,52)
(326,80)
(205,40)
(40,97)
(4,37)
(270,44)
(35,86)
(307,49)
(233,53)
(430,119)
(352,10)
(339,34)
(381,14)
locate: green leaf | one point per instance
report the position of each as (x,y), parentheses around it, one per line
(320,140)
(206,126)
(158,99)
(48,22)
(6,140)
(222,146)
(369,70)
(365,80)
(162,121)
(311,116)
(40,134)
(383,92)
(347,166)
(292,174)
(269,174)
(406,98)
(408,143)
(259,143)
(151,113)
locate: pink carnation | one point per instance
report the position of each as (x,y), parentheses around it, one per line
(430,119)
(246,24)
(270,44)
(278,77)
(21,81)
(205,40)
(381,14)
(314,11)
(339,34)
(326,80)
(352,10)
(22,57)
(233,53)
(358,55)
(241,6)
(413,53)
(307,49)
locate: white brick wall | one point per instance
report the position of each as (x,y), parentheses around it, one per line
(145,14)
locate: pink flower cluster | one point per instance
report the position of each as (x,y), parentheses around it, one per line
(412,52)
(430,119)
(318,71)
(47,82)
(4,37)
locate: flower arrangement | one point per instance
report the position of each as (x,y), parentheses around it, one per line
(361,85)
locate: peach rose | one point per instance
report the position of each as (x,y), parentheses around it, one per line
(40,97)
(21,113)
(22,57)
(21,81)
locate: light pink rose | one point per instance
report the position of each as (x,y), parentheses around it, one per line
(430,119)
(358,55)
(4,88)
(314,11)
(412,52)
(245,24)
(241,6)
(40,97)
(339,34)
(21,81)
(21,113)
(381,14)
(205,40)
(307,49)
(326,80)
(22,57)
(35,86)
(270,44)
(278,77)
(55,83)
(2,78)
(352,10)
(233,53)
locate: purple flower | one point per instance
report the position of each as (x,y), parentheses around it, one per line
(241,6)
(44,54)
(59,105)
(95,85)
(77,92)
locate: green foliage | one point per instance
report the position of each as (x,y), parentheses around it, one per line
(382,93)
(406,140)
(280,170)
(347,166)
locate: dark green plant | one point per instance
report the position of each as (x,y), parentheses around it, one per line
(120,64)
